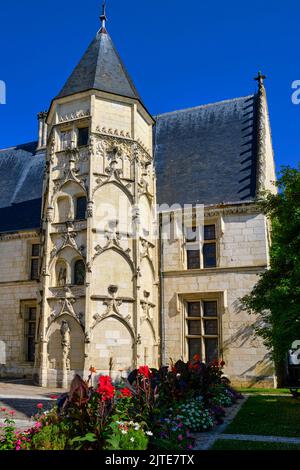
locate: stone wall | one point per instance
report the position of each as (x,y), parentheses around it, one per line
(17,292)
(243,254)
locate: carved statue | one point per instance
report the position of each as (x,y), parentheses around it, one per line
(65,332)
(62,277)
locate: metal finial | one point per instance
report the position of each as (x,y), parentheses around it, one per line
(103,18)
(260,79)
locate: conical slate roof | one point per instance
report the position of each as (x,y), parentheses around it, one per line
(100,68)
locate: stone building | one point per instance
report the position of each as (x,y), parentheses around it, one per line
(87,275)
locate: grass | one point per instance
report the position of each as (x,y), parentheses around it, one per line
(268,416)
(259,391)
(250,445)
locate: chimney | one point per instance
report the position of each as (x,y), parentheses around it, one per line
(42,116)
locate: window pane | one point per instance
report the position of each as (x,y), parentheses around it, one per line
(209,232)
(32,313)
(211,327)
(83,136)
(211,349)
(193,259)
(81,208)
(79,273)
(35,250)
(34,269)
(210,308)
(194,309)
(194,327)
(209,255)
(194,346)
(31,329)
(30,349)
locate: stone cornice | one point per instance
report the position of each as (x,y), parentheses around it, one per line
(19,235)
(210,271)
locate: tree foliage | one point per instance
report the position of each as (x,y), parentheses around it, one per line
(276,296)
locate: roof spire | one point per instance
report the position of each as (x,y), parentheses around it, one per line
(260,79)
(103,18)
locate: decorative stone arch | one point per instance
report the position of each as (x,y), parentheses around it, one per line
(119,185)
(58,191)
(116,317)
(118,250)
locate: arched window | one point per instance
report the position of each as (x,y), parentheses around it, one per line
(81,207)
(79,273)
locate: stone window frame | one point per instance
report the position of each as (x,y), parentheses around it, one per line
(77,132)
(25,305)
(184,298)
(216,221)
(31,257)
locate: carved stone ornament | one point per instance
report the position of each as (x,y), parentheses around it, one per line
(112,303)
(113,237)
(67,308)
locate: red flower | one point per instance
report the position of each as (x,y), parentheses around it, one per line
(11,412)
(105,388)
(222,363)
(125,393)
(196,358)
(144,371)
(53,397)
(3,409)
(39,406)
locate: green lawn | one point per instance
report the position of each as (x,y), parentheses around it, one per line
(248,445)
(265,390)
(269,416)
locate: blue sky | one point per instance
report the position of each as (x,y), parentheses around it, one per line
(179,54)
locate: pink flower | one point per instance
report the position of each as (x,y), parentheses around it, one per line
(3,409)
(18,448)
(11,412)
(180,437)
(39,406)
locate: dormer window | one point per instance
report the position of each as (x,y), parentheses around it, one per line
(83,136)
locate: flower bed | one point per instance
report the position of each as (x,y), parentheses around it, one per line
(153,409)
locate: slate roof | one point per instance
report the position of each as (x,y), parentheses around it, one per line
(207,154)
(21,177)
(100,68)
(204,155)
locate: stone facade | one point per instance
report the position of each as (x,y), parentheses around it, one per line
(99,284)
(242,253)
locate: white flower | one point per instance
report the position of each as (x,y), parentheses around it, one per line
(149,433)
(123,431)
(132,439)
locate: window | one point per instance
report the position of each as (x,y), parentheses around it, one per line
(83,136)
(34,262)
(81,208)
(203,330)
(209,247)
(65,140)
(208,257)
(79,273)
(30,323)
